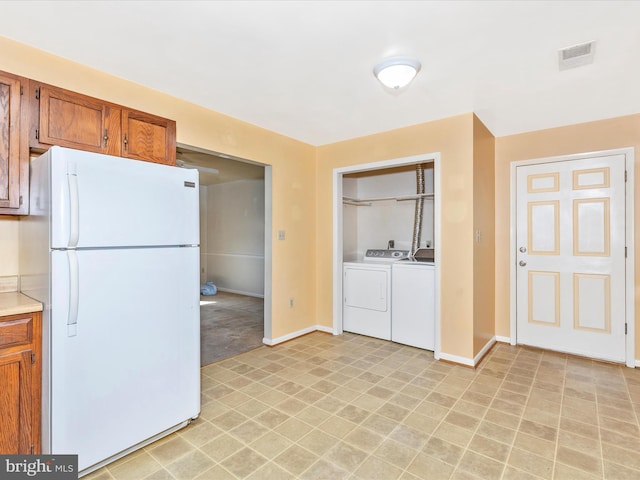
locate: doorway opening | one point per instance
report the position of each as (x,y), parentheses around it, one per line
(340,236)
(235,251)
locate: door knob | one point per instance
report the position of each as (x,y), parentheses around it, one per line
(523,249)
(522,263)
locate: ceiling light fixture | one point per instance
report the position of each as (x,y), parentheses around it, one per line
(396,72)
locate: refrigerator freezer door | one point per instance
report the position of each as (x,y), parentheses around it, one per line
(132,368)
(103,201)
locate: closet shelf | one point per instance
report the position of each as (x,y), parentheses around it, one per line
(398,198)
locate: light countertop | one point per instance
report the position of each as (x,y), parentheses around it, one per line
(15,303)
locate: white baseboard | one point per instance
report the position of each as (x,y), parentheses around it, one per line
(501,339)
(290,336)
(484,350)
(456,359)
(322,328)
(637,363)
(468,361)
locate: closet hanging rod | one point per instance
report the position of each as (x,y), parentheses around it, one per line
(397,198)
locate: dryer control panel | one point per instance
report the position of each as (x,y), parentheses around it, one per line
(385,254)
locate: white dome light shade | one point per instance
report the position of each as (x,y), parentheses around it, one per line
(396,72)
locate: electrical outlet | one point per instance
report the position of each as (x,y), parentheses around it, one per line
(291,302)
(281,235)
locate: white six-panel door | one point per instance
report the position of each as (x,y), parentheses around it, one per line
(570,242)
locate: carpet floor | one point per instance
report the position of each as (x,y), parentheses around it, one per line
(230,324)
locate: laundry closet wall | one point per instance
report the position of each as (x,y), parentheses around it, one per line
(453,138)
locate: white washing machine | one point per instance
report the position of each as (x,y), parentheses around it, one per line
(367,293)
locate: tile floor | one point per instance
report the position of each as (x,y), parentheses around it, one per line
(352,407)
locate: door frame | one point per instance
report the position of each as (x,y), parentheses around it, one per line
(629,155)
(338,233)
(268,226)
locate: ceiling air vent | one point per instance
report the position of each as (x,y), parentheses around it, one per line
(576,55)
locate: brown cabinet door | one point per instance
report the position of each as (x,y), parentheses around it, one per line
(69,119)
(20,383)
(16,422)
(73,120)
(10,158)
(147,137)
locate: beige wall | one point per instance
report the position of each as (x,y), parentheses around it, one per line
(586,137)
(8,246)
(302,194)
(292,175)
(484,249)
(453,138)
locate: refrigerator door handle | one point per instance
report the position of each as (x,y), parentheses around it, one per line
(74,210)
(74,293)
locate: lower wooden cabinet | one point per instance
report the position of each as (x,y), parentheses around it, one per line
(20,383)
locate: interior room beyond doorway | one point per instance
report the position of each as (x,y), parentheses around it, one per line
(232,252)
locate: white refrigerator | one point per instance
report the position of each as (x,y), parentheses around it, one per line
(111,248)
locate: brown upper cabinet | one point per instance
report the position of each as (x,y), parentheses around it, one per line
(14,149)
(36,116)
(69,119)
(147,137)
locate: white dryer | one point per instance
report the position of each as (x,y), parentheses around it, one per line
(367,293)
(413,300)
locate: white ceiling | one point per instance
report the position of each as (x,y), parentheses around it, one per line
(304,68)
